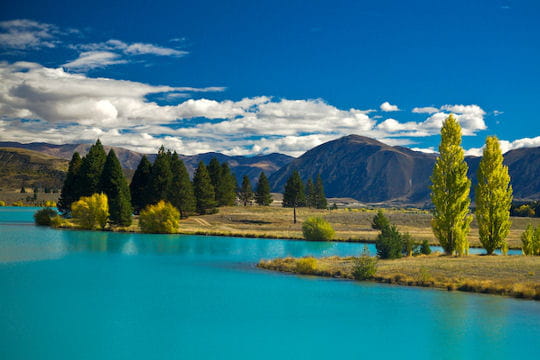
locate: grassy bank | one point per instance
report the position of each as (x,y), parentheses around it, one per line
(516,276)
(350,225)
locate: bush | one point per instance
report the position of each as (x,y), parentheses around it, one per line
(43,217)
(306,265)
(424,248)
(17,203)
(91,212)
(2,203)
(364,267)
(409,246)
(389,243)
(317,229)
(161,218)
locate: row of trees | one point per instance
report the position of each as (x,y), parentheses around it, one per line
(297,194)
(95,173)
(450,194)
(166,179)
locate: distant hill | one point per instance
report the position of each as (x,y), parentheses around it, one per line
(20,167)
(240,165)
(371,171)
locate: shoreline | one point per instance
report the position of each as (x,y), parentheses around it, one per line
(517,276)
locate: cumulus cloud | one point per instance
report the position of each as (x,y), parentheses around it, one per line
(386,106)
(425,110)
(24,34)
(508,145)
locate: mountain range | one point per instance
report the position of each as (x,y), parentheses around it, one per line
(353,166)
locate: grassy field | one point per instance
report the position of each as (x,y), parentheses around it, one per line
(517,276)
(276,222)
(9,197)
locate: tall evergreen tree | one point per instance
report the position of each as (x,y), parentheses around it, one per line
(91,169)
(450,192)
(226,190)
(181,193)
(71,190)
(310,193)
(114,185)
(493,198)
(293,196)
(246,191)
(204,191)
(262,195)
(320,196)
(161,176)
(140,185)
(214,170)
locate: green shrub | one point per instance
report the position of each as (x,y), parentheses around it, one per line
(161,218)
(424,248)
(306,265)
(17,203)
(58,222)
(317,229)
(43,217)
(2,203)
(91,212)
(409,246)
(364,267)
(389,243)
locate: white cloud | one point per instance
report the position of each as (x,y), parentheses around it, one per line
(24,34)
(140,49)
(508,145)
(94,59)
(497,112)
(425,110)
(386,106)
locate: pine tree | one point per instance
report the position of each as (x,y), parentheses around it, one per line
(204,191)
(262,195)
(493,198)
(226,190)
(450,192)
(140,185)
(91,169)
(310,194)
(71,191)
(161,176)
(293,196)
(114,185)
(320,196)
(246,191)
(181,191)
(214,170)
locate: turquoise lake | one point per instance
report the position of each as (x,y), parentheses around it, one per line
(97,295)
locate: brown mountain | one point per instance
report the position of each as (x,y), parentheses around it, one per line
(240,165)
(371,171)
(22,167)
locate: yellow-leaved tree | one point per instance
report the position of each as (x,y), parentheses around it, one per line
(493,198)
(91,212)
(450,192)
(161,218)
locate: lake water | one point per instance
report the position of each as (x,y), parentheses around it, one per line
(96,295)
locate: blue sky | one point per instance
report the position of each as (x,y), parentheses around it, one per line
(244,77)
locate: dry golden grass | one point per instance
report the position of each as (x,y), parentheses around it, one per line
(517,276)
(355,225)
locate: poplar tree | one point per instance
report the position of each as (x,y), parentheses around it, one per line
(293,196)
(226,190)
(204,191)
(310,194)
(181,193)
(450,192)
(493,198)
(140,185)
(320,196)
(262,195)
(161,176)
(246,191)
(114,185)
(71,191)
(91,169)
